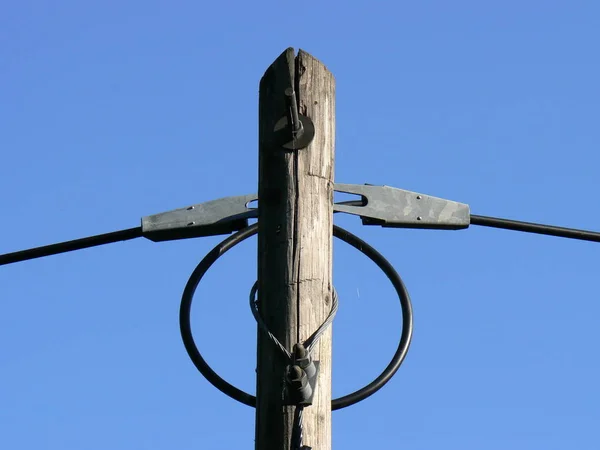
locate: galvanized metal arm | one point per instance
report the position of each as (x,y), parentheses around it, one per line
(380,205)
(221,216)
(396,208)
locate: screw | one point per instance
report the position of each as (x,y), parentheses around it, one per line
(419,218)
(190,208)
(418,197)
(191,223)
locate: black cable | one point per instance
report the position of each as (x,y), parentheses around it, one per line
(407,320)
(250,400)
(69,246)
(528,227)
(132,233)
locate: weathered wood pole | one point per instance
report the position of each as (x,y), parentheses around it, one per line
(295,189)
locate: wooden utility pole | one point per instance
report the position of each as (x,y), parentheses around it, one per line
(295,189)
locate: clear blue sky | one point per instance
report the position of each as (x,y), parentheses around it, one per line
(110,111)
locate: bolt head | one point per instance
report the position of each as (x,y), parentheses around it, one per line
(297,377)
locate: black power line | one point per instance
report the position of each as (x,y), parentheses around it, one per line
(133,233)
(250,400)
(538,228)
(69,246)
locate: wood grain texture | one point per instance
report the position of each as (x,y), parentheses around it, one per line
(295,246)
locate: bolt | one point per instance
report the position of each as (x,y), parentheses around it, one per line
(190,208)
(419,218)
(299,351)
(293,106)
(298,381)
(297,377)
(304,361)
(191,223)
(418,197)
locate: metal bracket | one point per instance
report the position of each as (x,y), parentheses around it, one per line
(397,208)
(294,131)
(381,205)
(221,216)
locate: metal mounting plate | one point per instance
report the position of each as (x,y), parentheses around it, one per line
(382,205)
(221,216)
(392,207)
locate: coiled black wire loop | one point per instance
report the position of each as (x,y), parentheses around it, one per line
(250,400)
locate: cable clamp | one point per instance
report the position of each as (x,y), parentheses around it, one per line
(301,378)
